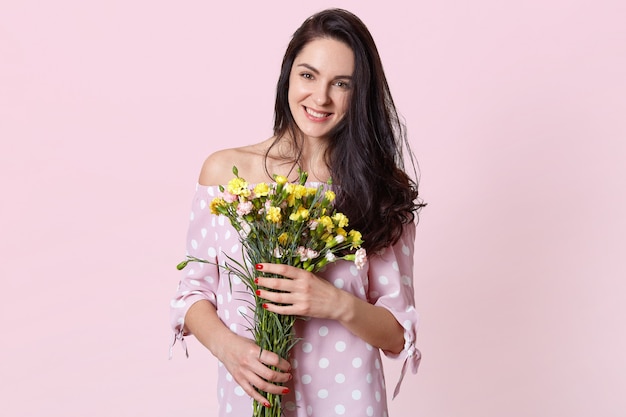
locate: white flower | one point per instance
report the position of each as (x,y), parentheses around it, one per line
(245,229)
(330,257)
(278,252)
(360,258)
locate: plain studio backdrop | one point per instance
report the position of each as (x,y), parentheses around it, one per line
(516,112)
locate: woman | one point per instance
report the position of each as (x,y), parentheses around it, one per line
(334,118)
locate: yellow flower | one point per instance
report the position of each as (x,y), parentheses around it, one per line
(216,203)
(327,222)
(341,219)
(261,189)
(341,232)
(299,215)
(311,191)
(355,238)
(291,198)
(299,191)
(294,192)
(280,179)
(238,186)
(329,195)
(273,215)
(283,238)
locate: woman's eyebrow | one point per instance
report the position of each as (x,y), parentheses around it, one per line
(316,71)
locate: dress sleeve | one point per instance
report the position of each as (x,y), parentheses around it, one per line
(199,281)
(391,287)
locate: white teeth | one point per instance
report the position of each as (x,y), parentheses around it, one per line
(316,114)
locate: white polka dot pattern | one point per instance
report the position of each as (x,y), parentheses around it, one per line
(335,372)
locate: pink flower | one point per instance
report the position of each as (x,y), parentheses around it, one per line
(228,197)
(306,253)
(301,252)
(360,258)
(244,208)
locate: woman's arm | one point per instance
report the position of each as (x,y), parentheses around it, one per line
(376,325)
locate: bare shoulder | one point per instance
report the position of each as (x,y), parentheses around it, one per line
(249,160)
(217,167)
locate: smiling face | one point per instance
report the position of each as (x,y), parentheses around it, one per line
(319,86)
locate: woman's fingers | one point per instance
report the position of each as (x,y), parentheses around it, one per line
(267,386)
(272,359)
(287,271)
(250,368)
(302,293)
(265,379)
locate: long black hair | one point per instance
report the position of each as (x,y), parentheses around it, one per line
(365,149)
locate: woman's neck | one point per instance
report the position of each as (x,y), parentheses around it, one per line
(309,155)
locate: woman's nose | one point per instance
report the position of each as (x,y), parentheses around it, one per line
(321,96)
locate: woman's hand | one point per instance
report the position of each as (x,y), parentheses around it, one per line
(241,356)
(250,367)
(303,293)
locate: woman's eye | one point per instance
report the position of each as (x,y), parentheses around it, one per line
(306,75)
(342,84)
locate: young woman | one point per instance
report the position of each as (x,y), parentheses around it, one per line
(334,118)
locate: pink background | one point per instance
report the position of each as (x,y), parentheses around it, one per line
(517,114)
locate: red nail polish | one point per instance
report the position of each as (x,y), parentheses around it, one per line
(265,306)
(258,266)
(256,280)
(286,391)
(266,404)
(258,292)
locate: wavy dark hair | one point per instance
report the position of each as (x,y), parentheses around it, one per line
(365,150)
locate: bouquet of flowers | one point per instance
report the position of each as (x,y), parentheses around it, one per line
(286,223)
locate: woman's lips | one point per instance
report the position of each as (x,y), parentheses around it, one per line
(316,115)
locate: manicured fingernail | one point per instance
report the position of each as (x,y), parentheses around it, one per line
(258,266)
(266,404)
(290,376)
(256,280)
(265,306)
(258,292)
(286,391)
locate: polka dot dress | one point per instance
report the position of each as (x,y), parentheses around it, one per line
(335,373)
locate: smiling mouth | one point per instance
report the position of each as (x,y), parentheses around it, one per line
(315,114)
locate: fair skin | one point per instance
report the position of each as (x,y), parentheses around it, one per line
(319,87)
(319,94)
